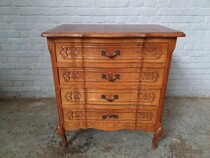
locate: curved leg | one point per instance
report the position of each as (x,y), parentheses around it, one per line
(157,135)
(61,133)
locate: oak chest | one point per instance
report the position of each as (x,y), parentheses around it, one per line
(111,77)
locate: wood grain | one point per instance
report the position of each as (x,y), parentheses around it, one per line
(111,77)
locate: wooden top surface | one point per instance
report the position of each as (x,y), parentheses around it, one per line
(111,31)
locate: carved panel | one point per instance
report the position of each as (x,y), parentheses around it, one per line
(73,96)
(145,126)
(144,116)
(75,115)
(69,52)
(153,52)
(149,76)
(74,125)
(146,96)
(110,125)
(75,75)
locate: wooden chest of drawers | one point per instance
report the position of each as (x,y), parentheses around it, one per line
(111,77)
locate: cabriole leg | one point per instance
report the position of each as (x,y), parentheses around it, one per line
(157,135)
(61,133)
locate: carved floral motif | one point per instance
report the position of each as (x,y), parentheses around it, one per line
(144,116)
(154,52)
(75,75)
(146,96)
(149,76)
(75,115)
(73,96)
(69,52)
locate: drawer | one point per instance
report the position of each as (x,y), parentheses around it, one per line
(92,52)
(141,116)
(112,115)
(149,76)
(103,115)
(78,97)
(110,52)
(140,52)
(98,74)
(115,97)
(143,97)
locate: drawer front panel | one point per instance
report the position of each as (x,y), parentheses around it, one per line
(142,52)
(150,76)
(111,52)
(143,115)
(109,115)
(111,98)
(78,97)
(67,75)
(145,52)
(143,97)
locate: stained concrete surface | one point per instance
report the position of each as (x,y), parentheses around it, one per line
(27,127)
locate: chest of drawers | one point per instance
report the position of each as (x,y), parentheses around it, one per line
(111,77)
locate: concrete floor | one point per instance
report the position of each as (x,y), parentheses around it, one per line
(27,127)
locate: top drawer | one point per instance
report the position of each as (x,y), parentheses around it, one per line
(92,52)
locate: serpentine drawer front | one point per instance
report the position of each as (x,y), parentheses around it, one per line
(111,77)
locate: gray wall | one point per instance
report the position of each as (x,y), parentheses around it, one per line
(25,69)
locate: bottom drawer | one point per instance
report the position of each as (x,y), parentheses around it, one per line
(113,115)
(109,125)
(141,115)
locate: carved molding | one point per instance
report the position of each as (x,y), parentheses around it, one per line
(74,125)
(153,52)
(110,125)
(75,75)
(69,52)
(147,96)
(75,115)
(73,96)
(145,126)
(144,116)
(149,76)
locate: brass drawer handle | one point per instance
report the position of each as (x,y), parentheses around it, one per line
(109,100)
(110,77)
(110,116)
(117,52)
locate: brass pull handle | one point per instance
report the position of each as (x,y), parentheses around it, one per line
(110,78)
(117,52)
(110,116)
(109,100)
